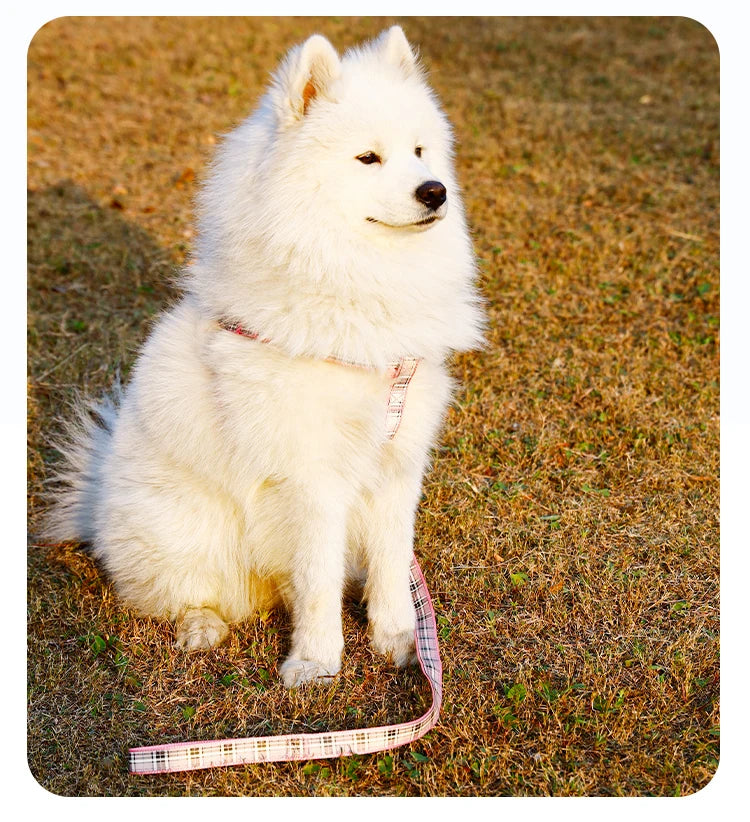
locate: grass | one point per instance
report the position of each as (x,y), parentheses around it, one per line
(569,529)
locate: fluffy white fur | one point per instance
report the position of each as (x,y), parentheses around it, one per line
(230,472)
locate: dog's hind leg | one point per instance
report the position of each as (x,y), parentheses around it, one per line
(199,629)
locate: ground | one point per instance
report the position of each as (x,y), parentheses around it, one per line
(569,530)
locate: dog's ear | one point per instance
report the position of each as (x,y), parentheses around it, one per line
(396,50)
(306,75)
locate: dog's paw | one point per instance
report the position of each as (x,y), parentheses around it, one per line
(200,629)
(399,647)
(296,672)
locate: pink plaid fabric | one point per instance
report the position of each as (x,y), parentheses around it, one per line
(406,369)
(185,756)
(400,373)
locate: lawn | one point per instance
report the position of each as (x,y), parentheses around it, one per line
(569,530)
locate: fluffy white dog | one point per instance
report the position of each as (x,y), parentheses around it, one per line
(241,468)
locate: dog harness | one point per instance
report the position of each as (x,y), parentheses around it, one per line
(400,373)
(186,756)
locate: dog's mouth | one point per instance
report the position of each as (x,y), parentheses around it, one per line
(432,218)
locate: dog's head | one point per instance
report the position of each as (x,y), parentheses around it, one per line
(362,136)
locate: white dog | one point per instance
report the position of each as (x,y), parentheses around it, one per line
(241,468)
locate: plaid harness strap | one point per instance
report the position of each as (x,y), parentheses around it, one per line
(400,373)
(186,756)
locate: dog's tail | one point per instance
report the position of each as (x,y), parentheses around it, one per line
(75,483)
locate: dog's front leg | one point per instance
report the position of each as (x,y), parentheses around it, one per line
(388,542)
(316,585)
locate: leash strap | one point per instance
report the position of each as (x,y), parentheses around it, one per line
(187,756)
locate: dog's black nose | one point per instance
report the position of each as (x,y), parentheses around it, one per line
(432,194)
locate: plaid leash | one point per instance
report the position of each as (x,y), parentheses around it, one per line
(186,756)
(400,373)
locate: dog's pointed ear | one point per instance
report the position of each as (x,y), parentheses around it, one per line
(396,50)
(306,75)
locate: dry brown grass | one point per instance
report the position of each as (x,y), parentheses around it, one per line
(569,529)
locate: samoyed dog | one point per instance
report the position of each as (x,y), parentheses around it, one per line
(272,440)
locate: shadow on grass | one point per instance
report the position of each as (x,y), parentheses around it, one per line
(95,281)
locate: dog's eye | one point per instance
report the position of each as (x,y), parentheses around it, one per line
(418,151)
(368,158)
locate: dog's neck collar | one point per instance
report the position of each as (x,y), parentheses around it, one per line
(400,373)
